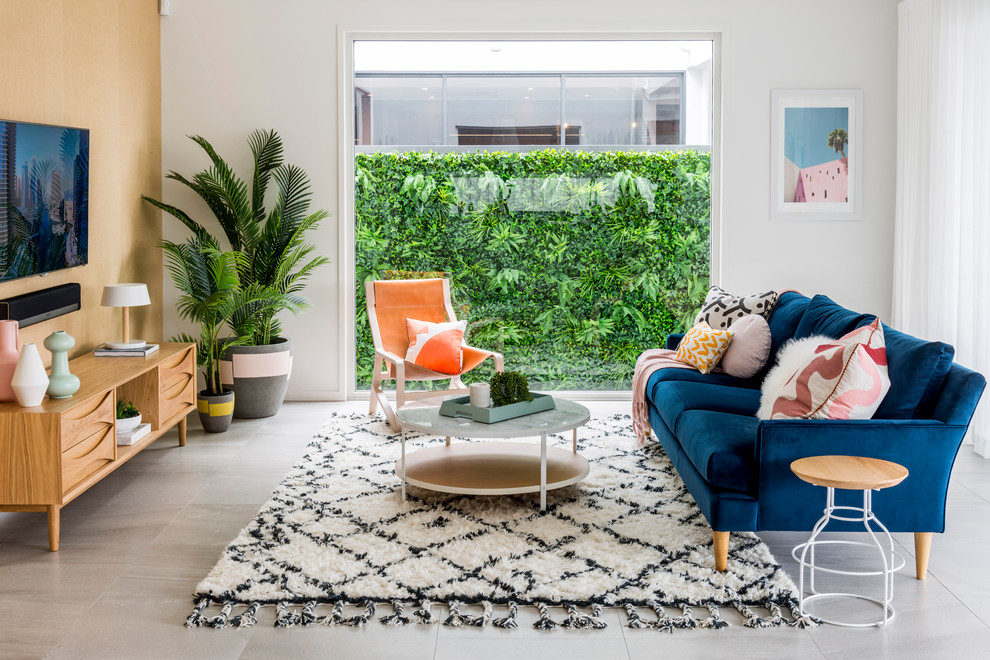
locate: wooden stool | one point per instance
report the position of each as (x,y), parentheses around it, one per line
(849,473)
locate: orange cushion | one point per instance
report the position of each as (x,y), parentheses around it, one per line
(436,346)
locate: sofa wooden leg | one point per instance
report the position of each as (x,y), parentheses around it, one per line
(721,548)
(922,549)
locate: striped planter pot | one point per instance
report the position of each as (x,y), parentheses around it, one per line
(215,410)
(259,375)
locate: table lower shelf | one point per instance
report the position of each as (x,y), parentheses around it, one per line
(491,468)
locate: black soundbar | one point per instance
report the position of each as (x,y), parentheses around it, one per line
(37,306)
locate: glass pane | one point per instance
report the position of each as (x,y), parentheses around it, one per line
(624,110)
(398,110)
(503,110)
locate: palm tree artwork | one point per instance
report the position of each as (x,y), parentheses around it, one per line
(837,141)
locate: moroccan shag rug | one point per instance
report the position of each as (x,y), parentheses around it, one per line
(336,540)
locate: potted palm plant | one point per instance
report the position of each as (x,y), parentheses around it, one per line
(276,258)
(211,295)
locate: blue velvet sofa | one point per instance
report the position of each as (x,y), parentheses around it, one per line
(737,467)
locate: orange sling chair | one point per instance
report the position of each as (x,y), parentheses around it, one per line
(390,303)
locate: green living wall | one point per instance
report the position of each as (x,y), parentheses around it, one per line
(569,263)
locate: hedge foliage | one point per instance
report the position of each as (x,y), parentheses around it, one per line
(569,263)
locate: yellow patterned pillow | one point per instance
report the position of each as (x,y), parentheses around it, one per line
(703,346)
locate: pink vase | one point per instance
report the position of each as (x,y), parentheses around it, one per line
(8,358)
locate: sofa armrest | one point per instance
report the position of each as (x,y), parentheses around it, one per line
(927,448)
(673,340)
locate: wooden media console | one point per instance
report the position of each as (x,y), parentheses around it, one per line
(52,453)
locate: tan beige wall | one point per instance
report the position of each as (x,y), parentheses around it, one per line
(95,64)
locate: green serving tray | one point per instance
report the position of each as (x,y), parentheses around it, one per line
(461,407)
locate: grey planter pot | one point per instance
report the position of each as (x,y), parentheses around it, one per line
(215,410)
(259,375)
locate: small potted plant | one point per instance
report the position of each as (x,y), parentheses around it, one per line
(509,387)
(128,416)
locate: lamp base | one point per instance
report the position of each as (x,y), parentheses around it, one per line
(121,345)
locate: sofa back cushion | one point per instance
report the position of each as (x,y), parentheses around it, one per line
(783,322)
(917,370)
(823,316)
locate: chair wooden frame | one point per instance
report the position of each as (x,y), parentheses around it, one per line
(391,365)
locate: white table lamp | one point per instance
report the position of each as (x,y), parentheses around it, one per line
(125,295)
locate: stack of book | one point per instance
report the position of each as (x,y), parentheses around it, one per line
(133,351)
(130,437)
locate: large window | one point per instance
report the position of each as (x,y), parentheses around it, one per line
(563,188)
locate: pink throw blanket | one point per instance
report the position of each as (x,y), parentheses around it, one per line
(647,363)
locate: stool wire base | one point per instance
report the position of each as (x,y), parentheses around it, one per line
(891,563)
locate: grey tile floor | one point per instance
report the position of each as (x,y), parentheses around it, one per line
(134,547)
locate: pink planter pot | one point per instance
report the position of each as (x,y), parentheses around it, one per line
(9,352)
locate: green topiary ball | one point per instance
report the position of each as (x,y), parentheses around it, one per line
(509,387)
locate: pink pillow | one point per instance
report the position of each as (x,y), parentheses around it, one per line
(750,347)
(842,378)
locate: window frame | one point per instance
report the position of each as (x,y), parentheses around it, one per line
(345,258)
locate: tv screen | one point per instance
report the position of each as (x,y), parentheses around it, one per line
(44,198)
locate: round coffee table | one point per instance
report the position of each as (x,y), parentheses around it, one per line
(493,468)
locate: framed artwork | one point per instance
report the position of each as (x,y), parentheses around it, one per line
(816,162)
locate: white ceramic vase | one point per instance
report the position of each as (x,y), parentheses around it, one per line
(30,381)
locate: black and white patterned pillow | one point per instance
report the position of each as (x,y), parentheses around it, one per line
(720,308)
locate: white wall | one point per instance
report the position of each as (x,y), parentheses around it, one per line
(230,66)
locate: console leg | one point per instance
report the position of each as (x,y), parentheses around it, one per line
(922,550)
(721,548)
(54,513)
(182,431)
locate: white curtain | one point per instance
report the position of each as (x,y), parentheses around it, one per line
(942,226)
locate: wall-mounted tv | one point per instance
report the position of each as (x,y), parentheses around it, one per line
(44,198)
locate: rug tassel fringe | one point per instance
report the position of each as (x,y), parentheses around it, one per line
(663,622)
(545,622)
(247,618)
(285,618)
(423,614)
(777,617)
(397,618)
(308,616)
(801,620)
(220,620)
(481,620)
(633,620)
(454,618)
(715,621)
(508,622)
(195,620)
(686,620)
(752,620)
(576,620)
(336,617)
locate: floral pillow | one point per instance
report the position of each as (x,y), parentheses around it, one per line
(822,378)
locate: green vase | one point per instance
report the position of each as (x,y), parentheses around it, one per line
(61,383)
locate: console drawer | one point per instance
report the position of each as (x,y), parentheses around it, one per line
(86,419)
(177,383)
(88,455)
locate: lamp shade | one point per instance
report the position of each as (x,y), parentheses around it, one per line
(125,295)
